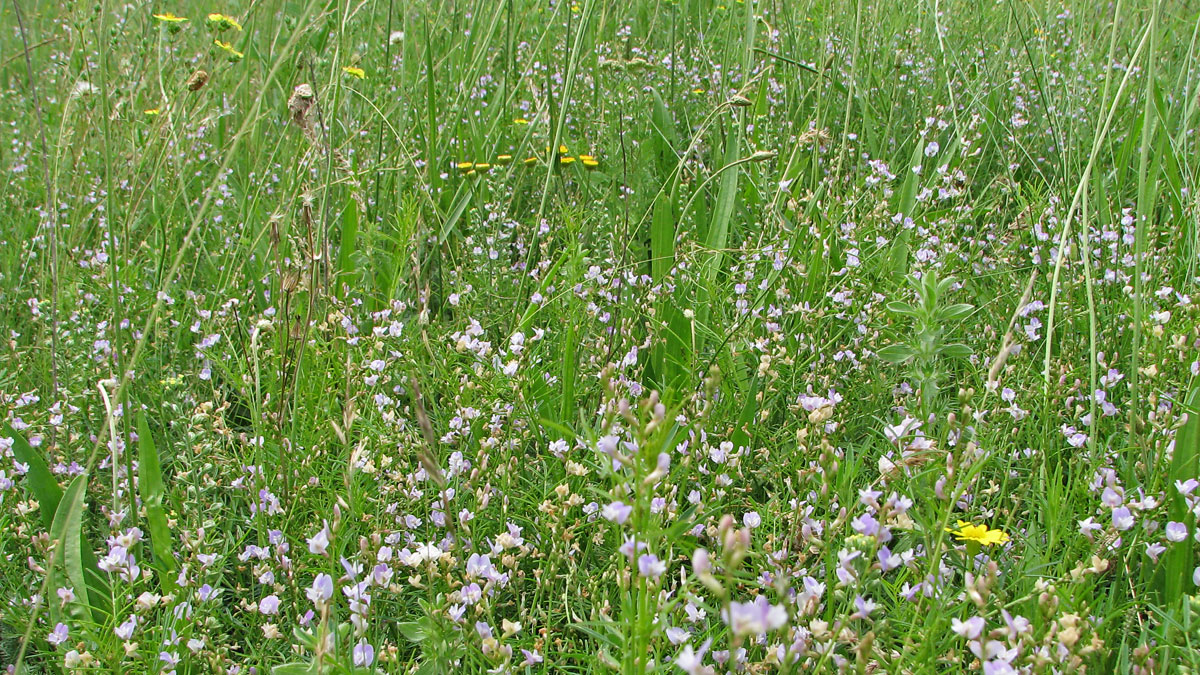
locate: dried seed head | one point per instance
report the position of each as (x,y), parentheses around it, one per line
(197,80)
(299,104)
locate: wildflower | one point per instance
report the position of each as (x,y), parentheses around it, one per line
(319,542)
(677,635)
(1122,518)
(152,112)
(59,635)
(269,605)
(364,653)
(465,166)
(617,512)
(650,566)
(355,72)
(754,618)
(173,23)
(483,167)
(504,160)
(970,629)
(589,162)
(222,22)
(979,534)
(520,120)
(234,55)
(532,658)
(691,661)
(566,161)
(125,630)
(530,161)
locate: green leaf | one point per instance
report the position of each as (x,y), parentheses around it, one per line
(955,351)
(955,312)
(1185,464)
(897,353)
(151,490)
(68,529)
(41,482)
(413,631)
(898,307)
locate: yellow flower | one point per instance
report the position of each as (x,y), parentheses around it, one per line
(979,534)
(588,162)
(173,23)
(530,161)
(223,22)
(562,150)
(355,72)
(502,160)
(465,166)
(520,120)
(566,160)
(234,55)
(151,112)
(483,167)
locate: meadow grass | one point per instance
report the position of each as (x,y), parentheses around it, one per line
(514,336)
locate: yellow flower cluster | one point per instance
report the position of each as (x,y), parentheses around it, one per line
(564,159)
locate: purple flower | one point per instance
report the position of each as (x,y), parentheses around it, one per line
(321,591)
(269,605)
(532,658)
(1176,531)
(752,519)
(692,661)
(617,512)
(1122,519)
(319,542)
(756,617)
(59,635)
(364,653)
(650,566)
(865,525)
(1154,549)
(677,635)
(125,630)
(970,629)
(888,561)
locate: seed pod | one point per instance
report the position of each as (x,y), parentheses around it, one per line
(197,80)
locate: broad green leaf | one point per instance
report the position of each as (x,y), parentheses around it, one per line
(897,353)
(1185,464)
(151,490)
(68,529)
